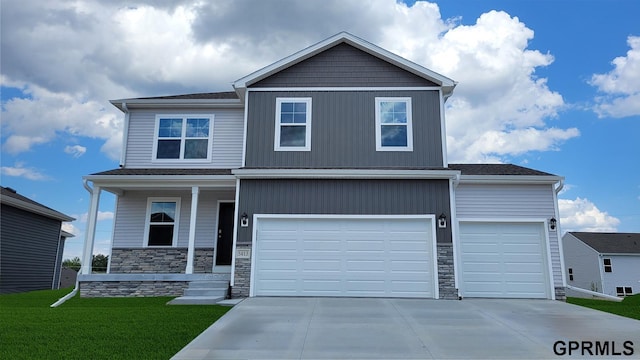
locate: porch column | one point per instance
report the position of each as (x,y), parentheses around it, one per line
(192,230)
(90,234)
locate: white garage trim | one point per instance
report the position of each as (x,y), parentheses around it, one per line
(430,218)
(547,248)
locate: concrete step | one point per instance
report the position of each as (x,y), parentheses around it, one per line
(206,292)
(222,276)
(196,300)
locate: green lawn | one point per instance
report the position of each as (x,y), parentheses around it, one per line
(98,328)
(629,307)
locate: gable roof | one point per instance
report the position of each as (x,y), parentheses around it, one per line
(10,197)
(447,84)
(610,243)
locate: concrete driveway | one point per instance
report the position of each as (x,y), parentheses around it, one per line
(358,328)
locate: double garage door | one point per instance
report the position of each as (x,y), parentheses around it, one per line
(344,256)
(503,260)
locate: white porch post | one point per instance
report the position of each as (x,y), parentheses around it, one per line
(192,229)
(90,235)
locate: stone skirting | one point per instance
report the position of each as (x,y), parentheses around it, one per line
(132,288)
(159,260)
(561,293)
(242,275)
(446,275)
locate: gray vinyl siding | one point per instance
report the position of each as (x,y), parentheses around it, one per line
(132,209)
(340,66)
(343,131)
(585,263)
(353,197)
(226,147)
(511,202)
(28,250)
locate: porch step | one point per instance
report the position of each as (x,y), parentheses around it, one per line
(204,292)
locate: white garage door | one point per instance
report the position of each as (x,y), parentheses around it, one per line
(373,257)
(504,260)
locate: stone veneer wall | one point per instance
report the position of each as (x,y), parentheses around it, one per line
(159,260)
(132,288)
(242,275)
(446,275)
(561,293)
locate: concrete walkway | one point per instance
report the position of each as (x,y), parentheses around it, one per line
(357,328)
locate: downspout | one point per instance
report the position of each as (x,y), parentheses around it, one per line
(77,287)
(125,134)
(559,231)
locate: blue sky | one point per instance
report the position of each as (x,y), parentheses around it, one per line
(552,85)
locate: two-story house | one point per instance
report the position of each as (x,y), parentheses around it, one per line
(323,174)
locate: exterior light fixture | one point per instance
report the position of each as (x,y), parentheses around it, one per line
(244,220)
(553,223)
(442,221)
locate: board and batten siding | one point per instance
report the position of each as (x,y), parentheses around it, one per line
(496,202)
(29,249)
(343,131)
(132,211)
(348,197)
(343,65)
(226,147)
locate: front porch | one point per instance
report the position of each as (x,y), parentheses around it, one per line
(171,227)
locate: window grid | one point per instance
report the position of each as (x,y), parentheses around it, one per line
(293,124)
(607,265)
(394,131)
(181,137)
(623,291)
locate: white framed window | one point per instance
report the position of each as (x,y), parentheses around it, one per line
(623,291)
(183,137)
(607,265)
(394,131)
(293,124)
(161,224)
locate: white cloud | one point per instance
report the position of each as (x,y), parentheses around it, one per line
(192,46)
(583,215)
(102,215)
(621,85)
(25,172)
(76,150)
(70,228)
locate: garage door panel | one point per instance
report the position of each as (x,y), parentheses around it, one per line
(358,257)
(503,260)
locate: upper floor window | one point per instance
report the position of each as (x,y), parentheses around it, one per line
(293,124)
(607,265)
(393,124)
(180,137)
(162,221)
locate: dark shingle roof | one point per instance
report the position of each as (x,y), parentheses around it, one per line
(205,96)
(496,169)
(30,205)
(611,243)
(165,172)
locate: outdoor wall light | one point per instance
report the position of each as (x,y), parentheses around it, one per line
(552,223)
(442,221)
(244,220)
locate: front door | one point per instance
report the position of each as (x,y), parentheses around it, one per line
(224,243)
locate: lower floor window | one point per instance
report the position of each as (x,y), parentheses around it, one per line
(162,220)
(624,291)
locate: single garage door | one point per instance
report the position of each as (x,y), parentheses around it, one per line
(360,257)
(503,260)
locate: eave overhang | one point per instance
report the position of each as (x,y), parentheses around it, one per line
(176,103)
(510,179)
(119,183)
(343,174)
(40,210)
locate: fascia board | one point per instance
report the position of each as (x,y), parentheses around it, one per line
(447,83)
(343,174)
(35,209)
(150,181)
(620,254)
(177,103)
(509,179)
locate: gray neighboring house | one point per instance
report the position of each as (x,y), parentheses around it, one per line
(32,244)
(322,174)
(608,263)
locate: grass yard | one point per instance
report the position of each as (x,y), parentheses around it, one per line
(629,307)
(98,328)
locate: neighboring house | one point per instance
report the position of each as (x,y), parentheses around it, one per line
(323,174)
(68,277)
(31,244)
(608,263)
